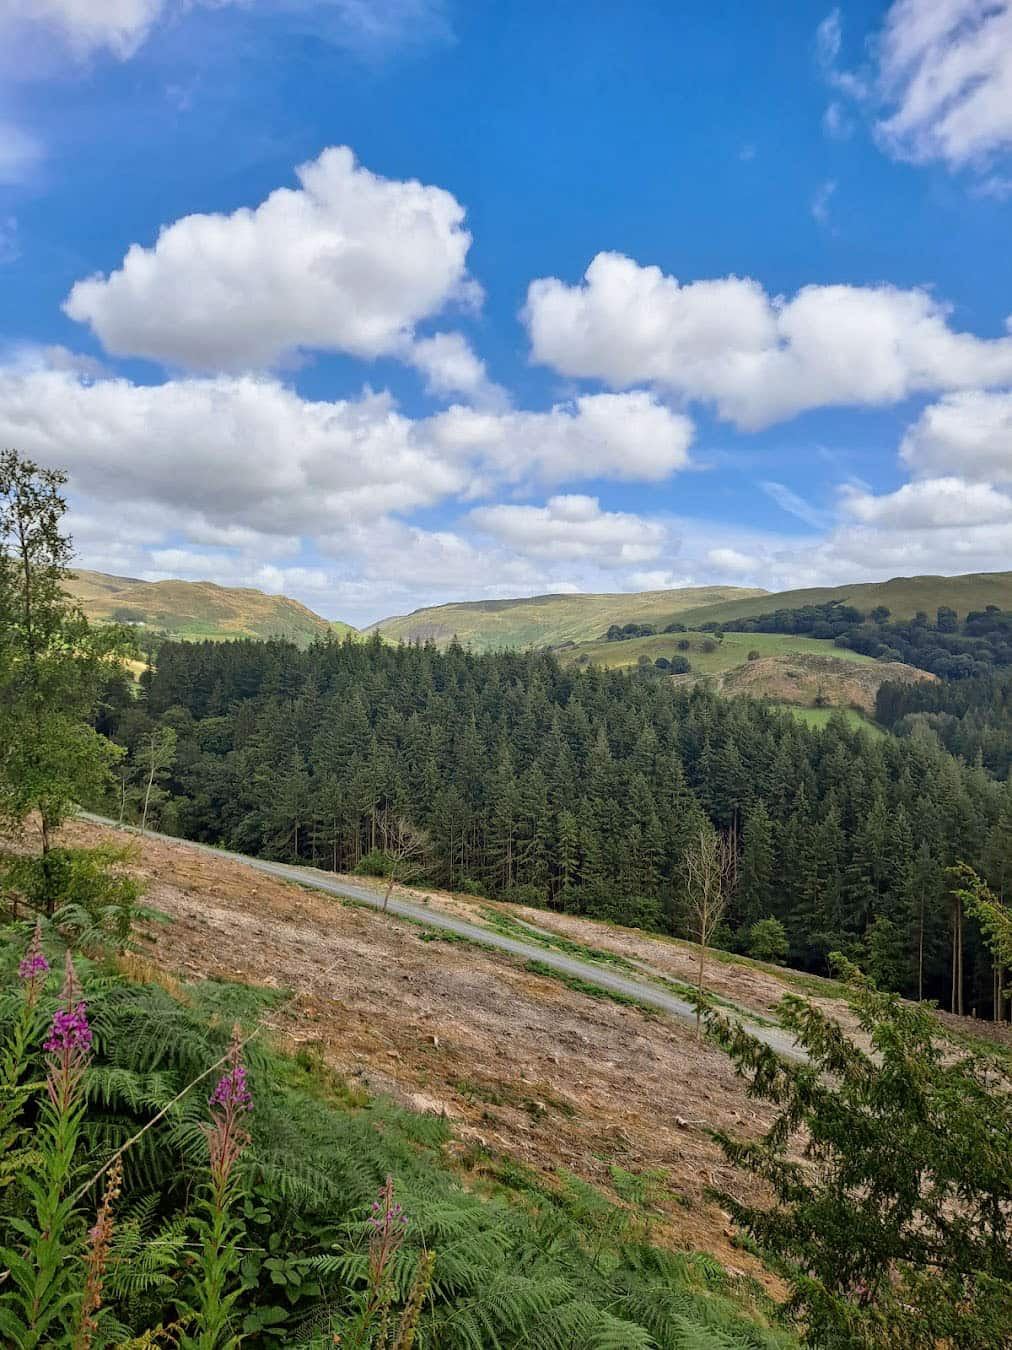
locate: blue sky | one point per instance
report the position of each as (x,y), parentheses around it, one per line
(389,302)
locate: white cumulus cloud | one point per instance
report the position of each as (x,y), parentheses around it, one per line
(450,366)
(572,527)
(757,358)
(969,434)
(346,262)
(626,436)
(932,503)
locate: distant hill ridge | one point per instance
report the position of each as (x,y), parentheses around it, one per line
(197,609)
(553,620)
(547,620)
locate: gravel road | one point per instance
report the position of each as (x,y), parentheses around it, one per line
(644,991)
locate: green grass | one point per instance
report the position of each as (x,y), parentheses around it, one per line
(731,653)
(904,596)
(543,620)
(198,610)
(820,717)
(550,620)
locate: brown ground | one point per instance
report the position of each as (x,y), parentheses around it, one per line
(524,1066)
(803,677)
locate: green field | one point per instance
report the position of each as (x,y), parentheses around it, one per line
(729,654)
(904,596)
(820,717)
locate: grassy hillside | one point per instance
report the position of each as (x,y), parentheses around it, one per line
(797,671)
(728,655)
(197,609)
(547,620)
(904,596)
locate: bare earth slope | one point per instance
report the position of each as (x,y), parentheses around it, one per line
(524,1065)
(810,680)
(545,620)
(198,609)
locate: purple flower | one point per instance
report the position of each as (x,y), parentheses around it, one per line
(34,967)
(68,1044)
(226,1137)
(232,1092)
(70,1033)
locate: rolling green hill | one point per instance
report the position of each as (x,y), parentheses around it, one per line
(546,620)
(197,609)
(904,596)
(551,620)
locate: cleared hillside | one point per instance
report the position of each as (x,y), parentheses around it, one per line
(197,609)
(799,672)
(548,620)
(728,654)
(903,596)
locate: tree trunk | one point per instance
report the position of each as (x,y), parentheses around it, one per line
(699,990)
(147,794)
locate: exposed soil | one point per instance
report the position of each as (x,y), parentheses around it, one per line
(524,1066)
(804,678)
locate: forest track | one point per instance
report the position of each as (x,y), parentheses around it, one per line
(643,991)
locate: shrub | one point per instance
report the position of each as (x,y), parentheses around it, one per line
(767,941)
(754,655)
(375,863)
(680,665)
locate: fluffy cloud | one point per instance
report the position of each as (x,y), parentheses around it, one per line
(758,358)
(573,527)
(232,450)
(246,451)
(450,366)
(932,503)
(946,72)
(628,436)
(347,262)
(968,433)
(731,560)
(85,26)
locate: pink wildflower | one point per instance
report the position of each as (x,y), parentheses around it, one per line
(34,967)
(68,1044)
(226,1136)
